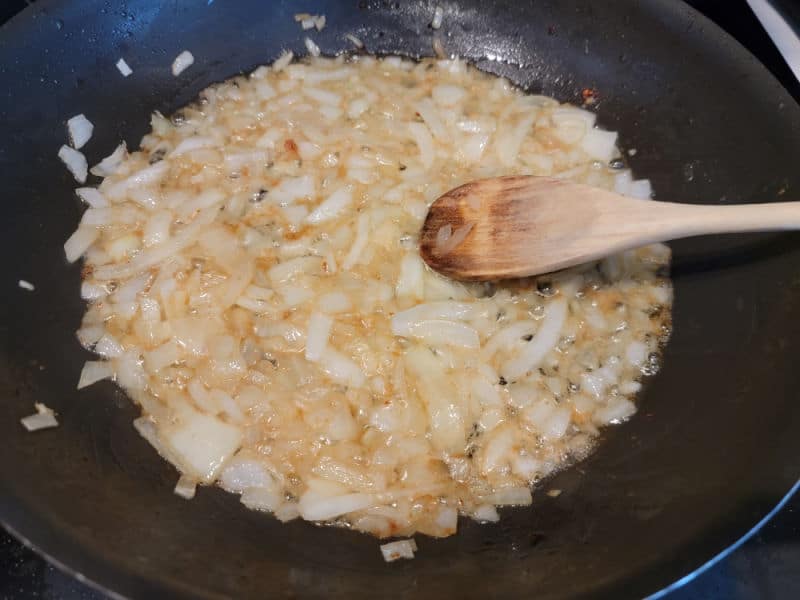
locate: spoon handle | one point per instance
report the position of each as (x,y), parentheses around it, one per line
(673,221)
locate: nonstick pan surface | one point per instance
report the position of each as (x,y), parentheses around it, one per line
(715,444)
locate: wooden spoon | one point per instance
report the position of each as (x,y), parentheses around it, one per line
(520,226)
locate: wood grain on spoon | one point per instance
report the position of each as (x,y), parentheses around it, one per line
(521,226)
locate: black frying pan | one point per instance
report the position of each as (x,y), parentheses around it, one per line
(714,447)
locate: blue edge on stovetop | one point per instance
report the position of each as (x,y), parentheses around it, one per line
(764,563)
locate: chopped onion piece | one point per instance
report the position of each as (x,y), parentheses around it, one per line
(404,322)
(447,520)
(80,130)
(433,119)
(283,60)
(192,143)
(163,356)
(287,511)
(505,337)
(544,340)
(332,206)
(411,282)
(422,137)
(448,95)
(399,549)
(515,496)
(319,330)
(79,242)
(313,507)
(312,48)
(147,258)
(44,418)
(259,498)
(94,371)
(641,189)
(26,285)
(334,302)
(448,243)
(88,336)
(186,487)
(242,473)
(438,15)
(354,40)
(183,61)
(362,238)
(110,164)
(438,331)
(202,443)
(108,347)
(486,513)
(75,162)
(617,411)
(291,189)
(123,67)
(92,196)
(443,235)
(266,499)
(599,144)
(341,369)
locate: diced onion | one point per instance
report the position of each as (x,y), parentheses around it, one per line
(599,144)
(362,238)
(267,499)
(108,166)
(399,549)
(544,340)
(341,369)
(75,162)
(123,67)
(80,131)
(404,322)
(92,196)
(79,242)
(319,330)
(332,206)
(436,331)
(183,61)
(486,513)
(43,418)
(186,487)
(283,60)
(312,48)
(449,242)
(354,40)
(438,15)
(315,508)
(94,371)
(514,496)
(422,137)
(253,281)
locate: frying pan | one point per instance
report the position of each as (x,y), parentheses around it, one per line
(716,442)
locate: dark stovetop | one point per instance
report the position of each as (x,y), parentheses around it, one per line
(767,566)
